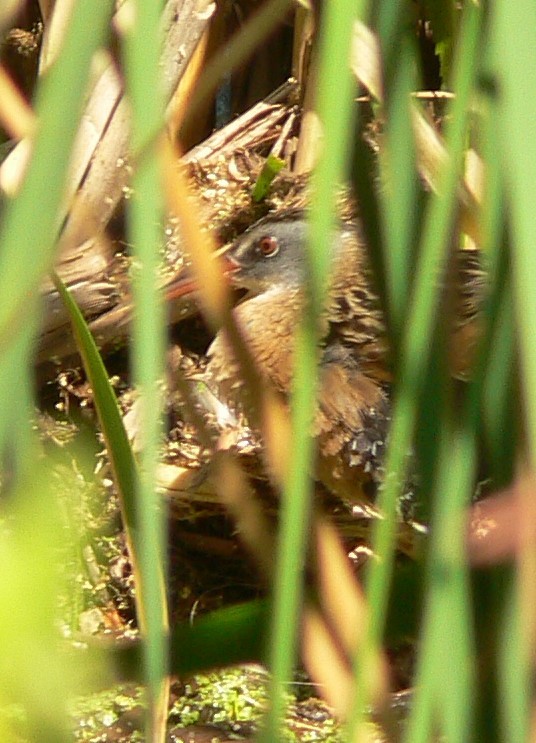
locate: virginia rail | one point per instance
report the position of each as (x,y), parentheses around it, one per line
(352,417)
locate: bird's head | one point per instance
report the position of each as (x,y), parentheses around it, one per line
(272,253)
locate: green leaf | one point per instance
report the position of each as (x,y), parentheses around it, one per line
(272,166)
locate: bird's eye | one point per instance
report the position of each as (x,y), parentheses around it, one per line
(268,246)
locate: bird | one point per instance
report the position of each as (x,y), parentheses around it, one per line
(352,418)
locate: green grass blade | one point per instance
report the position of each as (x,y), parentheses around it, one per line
(270,169)
(121,457)
(235,634)
(513,64)
(400,192)
(145,209)
(416,347)
(37,674)
(447,633)
(30,222)
(335,44)
(515,681)
(118,445)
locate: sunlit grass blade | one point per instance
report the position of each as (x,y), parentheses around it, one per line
(514,67)
(446,638)
(38,676)
(29,224)
(447,633)
(332,167)
(517,75)
(26,243)
(270,169)
(144,88)
(120,451)
(515,708)
(121,456)
(416,343)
